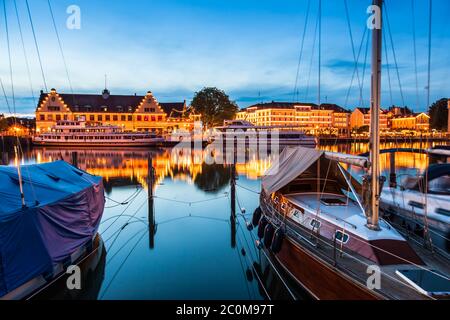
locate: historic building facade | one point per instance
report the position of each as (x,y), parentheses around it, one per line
(131,112)
(417,122)
(308,117)
(360,117)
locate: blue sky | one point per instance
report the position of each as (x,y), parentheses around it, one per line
(249,48)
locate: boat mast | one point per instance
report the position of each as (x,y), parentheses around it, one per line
(375,101)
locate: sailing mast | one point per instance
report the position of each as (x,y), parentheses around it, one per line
(375,101)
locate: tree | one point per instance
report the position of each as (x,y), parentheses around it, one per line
(439,115)
(214,106)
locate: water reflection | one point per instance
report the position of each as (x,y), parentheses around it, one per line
(186,246)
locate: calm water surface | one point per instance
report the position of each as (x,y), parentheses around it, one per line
(188,248)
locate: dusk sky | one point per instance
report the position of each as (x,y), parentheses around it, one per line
(249,48)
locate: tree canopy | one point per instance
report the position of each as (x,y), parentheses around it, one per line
(439,115)
(214,105)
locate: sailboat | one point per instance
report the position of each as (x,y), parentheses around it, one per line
(49,219)
(323,227)
(419,206)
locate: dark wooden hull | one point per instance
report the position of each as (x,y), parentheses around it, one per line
(322,281)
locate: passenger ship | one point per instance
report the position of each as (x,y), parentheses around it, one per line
(80,133)
(246,132)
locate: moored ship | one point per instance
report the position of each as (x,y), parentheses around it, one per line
(244,132)
(81,133)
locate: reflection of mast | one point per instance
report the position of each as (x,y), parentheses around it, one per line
(233,200)
(151,209)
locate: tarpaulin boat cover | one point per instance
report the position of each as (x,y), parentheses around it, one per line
(293,161)
(63,209)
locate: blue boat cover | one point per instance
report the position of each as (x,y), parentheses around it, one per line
(64,206)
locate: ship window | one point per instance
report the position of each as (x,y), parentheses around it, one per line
(296,213)
(275,200)
(416,204)
(443,212)
(341,237)
(283,206)
(440,185)
(315,223)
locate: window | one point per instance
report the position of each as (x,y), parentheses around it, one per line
(315,224)
(115,118)
(159,118)
(50,117)
(107,117)
(416,204)
(123,118)
(130,118)
(42,117)
(66,117)
(58,117)
(53,108)
(443,212)
(341,237)
(139,118)
(100,118)
(153,118)
(440,185)
(92,117)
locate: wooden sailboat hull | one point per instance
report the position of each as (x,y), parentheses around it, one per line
(322,281)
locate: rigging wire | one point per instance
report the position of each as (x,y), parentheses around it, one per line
(295,94)
(27,64)
(413,9)
(356,67)
(347,14)
(10,60)
(36,45)
(388,68)
(320,54)
(430,26)
(312,59)
(394,53)
(60,46)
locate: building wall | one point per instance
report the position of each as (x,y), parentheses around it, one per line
(303,117)
(149,116)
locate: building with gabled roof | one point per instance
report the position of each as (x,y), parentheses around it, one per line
(131,112)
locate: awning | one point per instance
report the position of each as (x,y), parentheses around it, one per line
(293,161)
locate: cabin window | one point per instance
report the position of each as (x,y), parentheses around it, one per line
(341,237)
(416,204)
(443,212)
(315,224)
(440,185)
(296,213)
(283,206)
(276,200)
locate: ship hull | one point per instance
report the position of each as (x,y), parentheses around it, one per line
(320,280)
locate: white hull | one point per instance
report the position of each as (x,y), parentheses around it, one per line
(406,210)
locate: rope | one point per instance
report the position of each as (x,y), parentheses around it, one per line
(27,64)
(36,45)
(248,189)
(394,54)
(388,68)
(430,25)
(301,51)
(312,58)
(190,202)
(356,67)
(415,51)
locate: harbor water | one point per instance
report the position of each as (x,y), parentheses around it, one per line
(187,246)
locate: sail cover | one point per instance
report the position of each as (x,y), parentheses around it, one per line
(63,209)
(293,161)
